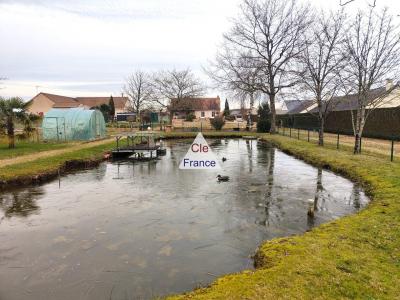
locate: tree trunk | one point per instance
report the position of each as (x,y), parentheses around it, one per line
(321,132)
(10,132)
(359,130)
(273,113)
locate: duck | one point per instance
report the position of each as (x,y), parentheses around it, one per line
(224,159)
(222,178)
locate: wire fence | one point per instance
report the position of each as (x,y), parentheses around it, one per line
(381,147)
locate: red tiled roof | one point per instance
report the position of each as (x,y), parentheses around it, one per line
(196,104)
(61,101)
(119,102)
(69,102)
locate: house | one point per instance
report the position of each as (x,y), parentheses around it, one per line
(387,96)
(383,105)
(242,111)
(205,108)
(43,102)
(292,106)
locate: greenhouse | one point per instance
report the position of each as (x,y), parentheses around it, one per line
(73,124)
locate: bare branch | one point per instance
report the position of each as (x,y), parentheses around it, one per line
(139,89)
(259,52)
(373,48)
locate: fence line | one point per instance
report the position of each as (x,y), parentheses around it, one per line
(390,148)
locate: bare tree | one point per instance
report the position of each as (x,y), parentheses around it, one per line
(372,3)
(139,89)
(321,60)
(265,40)
(176,84)
(231,72)
(373,47)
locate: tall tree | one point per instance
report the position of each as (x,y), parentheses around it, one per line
(321,61)
(227,111)
(111,105)
(140,91)
(373,47)
(260,50)
(177,85)
(12,110)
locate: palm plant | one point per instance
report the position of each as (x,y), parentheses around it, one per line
(11,110)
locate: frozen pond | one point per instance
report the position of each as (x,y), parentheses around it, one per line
(145,229)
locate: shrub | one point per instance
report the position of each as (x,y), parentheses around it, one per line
(190,117)
(264,122)
(263,125)
(217,123)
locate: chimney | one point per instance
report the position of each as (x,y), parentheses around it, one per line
(389,84)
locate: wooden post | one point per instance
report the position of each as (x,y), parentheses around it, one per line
(392,151)
(298,133)
(290,131)
(360,144)
(308,135)
(338,141)
(283,130)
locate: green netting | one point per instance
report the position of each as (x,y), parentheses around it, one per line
(73,124)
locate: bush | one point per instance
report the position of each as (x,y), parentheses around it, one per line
(264,122)
(217,123)
(263,125)
(190,117)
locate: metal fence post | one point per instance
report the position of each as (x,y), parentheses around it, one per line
(338,141)
(298,133)
(290,132)
(392,151)
(308,135)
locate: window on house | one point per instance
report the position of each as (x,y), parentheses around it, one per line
(203,114)
(213,114)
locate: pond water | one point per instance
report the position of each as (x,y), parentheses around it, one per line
(139,230)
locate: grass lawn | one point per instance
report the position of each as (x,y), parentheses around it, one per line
(52,163)
(355,257)
(26,147)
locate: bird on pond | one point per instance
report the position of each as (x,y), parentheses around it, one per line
(224,159)
(222,178)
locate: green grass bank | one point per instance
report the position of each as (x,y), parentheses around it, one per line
(46,168)
(27,147)
(355,257)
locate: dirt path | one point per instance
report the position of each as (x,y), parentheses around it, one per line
(34,156)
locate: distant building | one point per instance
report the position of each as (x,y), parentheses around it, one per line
(43,102)
(206,108)
(242,111)
(387,96)
(292,106)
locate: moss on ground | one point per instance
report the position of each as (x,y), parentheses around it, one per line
(356,256)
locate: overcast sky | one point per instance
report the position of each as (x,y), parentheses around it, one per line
(88,47)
